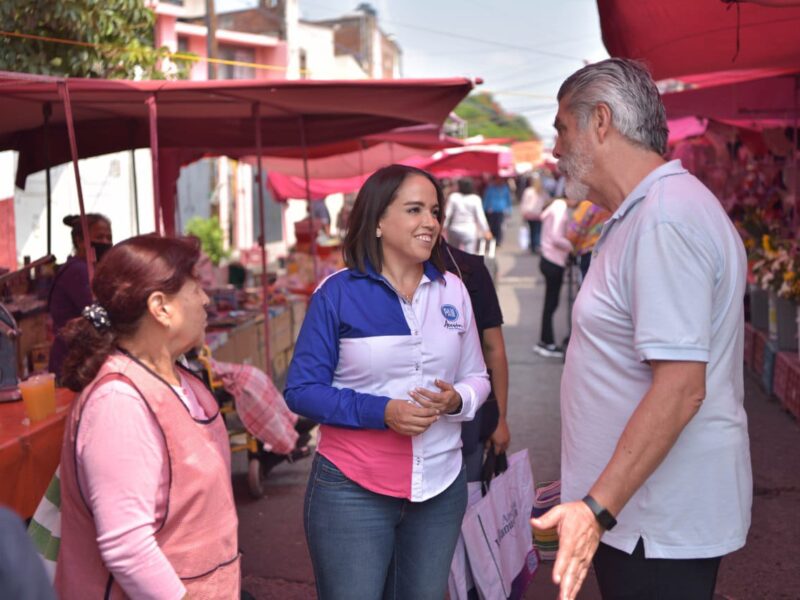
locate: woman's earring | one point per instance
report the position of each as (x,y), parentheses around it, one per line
(378,233)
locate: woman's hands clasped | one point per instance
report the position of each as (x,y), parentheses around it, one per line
(413,418)
(406,418)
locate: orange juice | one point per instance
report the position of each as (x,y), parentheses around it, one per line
(39,396)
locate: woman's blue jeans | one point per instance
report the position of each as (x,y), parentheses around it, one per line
(367,546)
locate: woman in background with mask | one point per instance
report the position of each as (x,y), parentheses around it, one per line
(71,291)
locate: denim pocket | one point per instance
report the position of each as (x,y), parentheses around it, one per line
(328,474)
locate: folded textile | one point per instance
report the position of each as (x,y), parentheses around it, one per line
(260,405)
(548,495)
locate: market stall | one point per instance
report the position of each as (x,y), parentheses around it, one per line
(181,121)
(29,453)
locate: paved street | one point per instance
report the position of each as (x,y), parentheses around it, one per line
(275,559)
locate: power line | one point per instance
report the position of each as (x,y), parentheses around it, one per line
(470,38)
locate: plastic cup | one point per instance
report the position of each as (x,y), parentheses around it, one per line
(39,396)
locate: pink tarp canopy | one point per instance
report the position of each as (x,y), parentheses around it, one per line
(755,104)
(284,187)
(212,116)
(685,37)
(215,117)
(372,153)
(451,162)
(469,161)
(685,127)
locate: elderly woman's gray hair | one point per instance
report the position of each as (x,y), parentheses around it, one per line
(629,91)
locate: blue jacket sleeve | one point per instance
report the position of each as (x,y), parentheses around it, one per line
(309,384)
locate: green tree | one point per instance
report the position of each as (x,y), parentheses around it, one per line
(118,33)
(209,232)
(486,117)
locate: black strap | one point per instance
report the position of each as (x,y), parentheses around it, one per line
(493,465)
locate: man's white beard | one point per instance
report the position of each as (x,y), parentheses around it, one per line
(575,190)
(576,167)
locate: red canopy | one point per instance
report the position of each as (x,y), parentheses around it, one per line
(756,104)
(211,116)
(367,154)
(685,127)
(684,37)
(469,162)
(284,187)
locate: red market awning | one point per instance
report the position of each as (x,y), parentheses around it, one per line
(284,187)
(686,37)
(211,116)
(367,154)
(756,104)
(685,127)
(469,162)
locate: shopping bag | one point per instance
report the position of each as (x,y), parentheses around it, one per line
(45,526)
(497,534)
(460,582)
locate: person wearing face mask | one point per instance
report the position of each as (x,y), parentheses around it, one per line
(70,291)
(389,362)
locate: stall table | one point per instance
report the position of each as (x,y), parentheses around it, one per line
(29,453)
(787,382)
(240,339)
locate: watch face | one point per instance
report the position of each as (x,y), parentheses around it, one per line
(604,518)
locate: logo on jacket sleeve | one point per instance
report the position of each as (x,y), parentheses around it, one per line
(450,314)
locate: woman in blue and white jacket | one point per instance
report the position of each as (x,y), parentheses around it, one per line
(389,362)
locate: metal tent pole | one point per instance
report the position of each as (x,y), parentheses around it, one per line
(63,91)
(262,235)
(153,115)
(47,110)
(308,198)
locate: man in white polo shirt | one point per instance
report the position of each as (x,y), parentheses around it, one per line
(655,452)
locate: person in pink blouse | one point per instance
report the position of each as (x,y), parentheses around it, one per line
(146,498)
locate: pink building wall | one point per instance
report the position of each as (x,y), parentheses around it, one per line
(166,34)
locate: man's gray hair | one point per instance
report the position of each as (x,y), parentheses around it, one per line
(628,89)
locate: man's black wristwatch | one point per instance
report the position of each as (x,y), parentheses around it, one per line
(605,518)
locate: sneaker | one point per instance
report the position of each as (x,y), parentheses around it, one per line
(549,350)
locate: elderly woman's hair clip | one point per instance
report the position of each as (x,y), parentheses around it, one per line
(97,316)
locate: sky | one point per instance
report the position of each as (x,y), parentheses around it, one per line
(522,49)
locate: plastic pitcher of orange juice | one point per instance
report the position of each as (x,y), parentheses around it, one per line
(39,396)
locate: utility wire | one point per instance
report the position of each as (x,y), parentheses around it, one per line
(469,38)
(172,55)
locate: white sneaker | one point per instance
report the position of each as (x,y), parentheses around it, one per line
(548,350)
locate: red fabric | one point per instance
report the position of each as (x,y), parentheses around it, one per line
(284,187)
(685,37)
(212,116)
(260,405)
(755,104)
(362,156)
(466,162)
(340,166)
(453,162)
(685,127)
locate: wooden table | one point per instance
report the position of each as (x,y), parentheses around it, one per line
(29,453)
